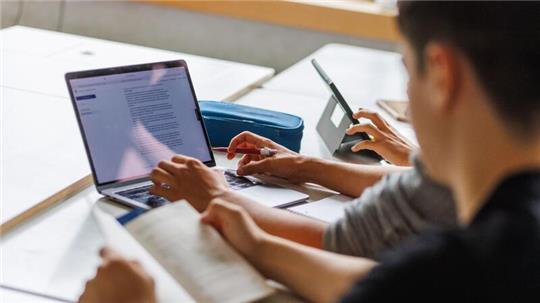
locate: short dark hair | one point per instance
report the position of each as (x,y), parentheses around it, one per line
(501,40)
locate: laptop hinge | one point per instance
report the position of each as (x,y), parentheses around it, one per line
(101,188)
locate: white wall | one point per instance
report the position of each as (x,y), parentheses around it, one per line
(173,29)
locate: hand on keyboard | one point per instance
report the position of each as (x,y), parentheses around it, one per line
(187,178)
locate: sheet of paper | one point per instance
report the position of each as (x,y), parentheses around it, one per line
(116,237)
(196,256)
(328,210)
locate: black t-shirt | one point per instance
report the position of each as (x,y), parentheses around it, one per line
(494,259)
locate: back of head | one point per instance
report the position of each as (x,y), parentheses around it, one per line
(502,43)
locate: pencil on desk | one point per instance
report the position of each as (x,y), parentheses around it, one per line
(250,151)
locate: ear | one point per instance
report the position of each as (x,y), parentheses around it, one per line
(443,73)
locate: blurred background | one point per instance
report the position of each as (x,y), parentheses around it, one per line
(270,33)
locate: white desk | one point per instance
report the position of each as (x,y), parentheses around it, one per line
(41,148)
(36,60)
(362,75)
(8,295)
(57,249)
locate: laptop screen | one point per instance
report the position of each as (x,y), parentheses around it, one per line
(135,119)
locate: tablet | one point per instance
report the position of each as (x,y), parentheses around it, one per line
(337,96)
(336,121)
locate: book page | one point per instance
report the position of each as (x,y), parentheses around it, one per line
(196,255)
(117,238)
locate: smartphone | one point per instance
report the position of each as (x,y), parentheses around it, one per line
(399,110)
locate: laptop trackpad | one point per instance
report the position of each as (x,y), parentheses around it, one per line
(273,195)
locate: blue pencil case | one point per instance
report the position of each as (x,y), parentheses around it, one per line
(225,120)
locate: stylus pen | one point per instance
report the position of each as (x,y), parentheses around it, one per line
(265,151)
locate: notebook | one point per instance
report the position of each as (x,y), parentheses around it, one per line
(188,260)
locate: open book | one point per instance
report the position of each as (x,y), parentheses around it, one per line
(188,260)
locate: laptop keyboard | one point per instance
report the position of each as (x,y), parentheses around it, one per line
(237,182)
(141,194)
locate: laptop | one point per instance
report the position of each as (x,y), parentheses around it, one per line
(132,117)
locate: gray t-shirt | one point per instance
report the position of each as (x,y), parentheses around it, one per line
(399,206)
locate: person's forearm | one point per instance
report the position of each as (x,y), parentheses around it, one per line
(316,275)
(281,223)
(346,178)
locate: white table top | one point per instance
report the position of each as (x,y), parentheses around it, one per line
(9,295)
(36,60)
(54,253)
(361,74)
(41,147)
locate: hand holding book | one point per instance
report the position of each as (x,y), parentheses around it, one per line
(181,254)
(119,280)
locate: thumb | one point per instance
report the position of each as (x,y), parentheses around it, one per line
(255,167)
(107,255)
(210,216)
(219,213)
(214,213)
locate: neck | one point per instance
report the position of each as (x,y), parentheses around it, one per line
(485,162)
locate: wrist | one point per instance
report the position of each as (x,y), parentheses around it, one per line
(216,194)
(226,194)
(308,168)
